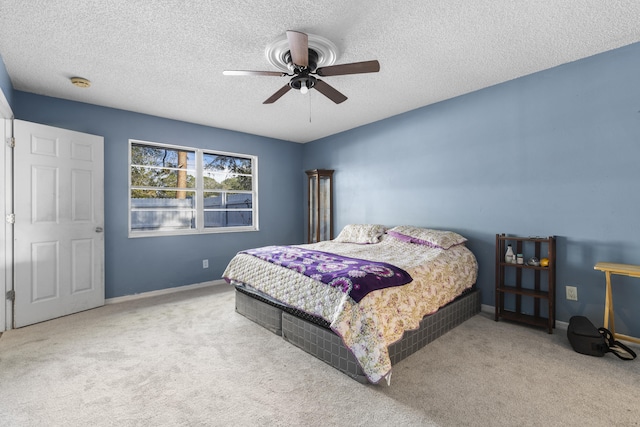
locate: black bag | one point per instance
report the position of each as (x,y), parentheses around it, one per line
(585,338)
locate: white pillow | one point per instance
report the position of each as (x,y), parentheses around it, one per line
(425,236)
(361,233)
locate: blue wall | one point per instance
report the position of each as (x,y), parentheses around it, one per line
(5,83)
(145,264)
(553,153)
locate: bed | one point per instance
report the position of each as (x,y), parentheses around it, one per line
(418,284)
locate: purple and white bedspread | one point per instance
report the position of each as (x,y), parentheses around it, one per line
(353,276)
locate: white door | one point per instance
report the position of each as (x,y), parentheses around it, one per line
(59,215)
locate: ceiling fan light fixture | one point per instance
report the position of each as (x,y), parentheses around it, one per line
(303,83)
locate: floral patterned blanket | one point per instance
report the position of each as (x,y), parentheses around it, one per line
(368,327)
(354,277)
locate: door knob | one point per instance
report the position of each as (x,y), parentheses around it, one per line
(99,230)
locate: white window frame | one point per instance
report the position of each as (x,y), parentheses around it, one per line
(199,190)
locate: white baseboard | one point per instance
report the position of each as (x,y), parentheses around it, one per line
(164,291)
(490,309)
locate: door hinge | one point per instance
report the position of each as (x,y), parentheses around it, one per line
(11,218)
(11,142)
(11,295)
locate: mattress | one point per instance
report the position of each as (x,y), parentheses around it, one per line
(381,318)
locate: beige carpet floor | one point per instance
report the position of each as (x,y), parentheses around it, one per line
(187,359)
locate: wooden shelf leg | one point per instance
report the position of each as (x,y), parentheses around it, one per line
(608,305)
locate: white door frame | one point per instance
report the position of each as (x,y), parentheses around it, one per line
(6,207)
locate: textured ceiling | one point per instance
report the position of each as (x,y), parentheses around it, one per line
(166,58)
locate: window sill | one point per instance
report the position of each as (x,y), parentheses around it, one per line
(155,233)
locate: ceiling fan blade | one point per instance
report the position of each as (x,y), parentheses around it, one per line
(253,73)
(273,98)
(352,68)
(329,92)
(299,48)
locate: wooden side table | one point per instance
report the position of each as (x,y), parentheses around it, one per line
(610,268)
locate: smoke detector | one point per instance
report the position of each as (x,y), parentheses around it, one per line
(80,82)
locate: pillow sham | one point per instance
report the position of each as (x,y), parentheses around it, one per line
(425,236)
(361,233)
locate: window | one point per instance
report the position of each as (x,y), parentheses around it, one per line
(181,190)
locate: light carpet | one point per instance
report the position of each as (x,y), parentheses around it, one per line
(187,359)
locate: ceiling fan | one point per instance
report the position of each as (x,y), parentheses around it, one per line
(302,62)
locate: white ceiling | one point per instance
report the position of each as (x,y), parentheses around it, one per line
(166,58)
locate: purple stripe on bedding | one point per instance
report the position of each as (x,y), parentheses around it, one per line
(354,277)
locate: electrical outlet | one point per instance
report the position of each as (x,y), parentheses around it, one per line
(205,263)
(572,293)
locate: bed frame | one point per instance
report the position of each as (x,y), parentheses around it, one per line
(313,335)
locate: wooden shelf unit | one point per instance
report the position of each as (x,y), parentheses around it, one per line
(526,281)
